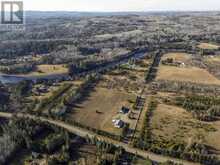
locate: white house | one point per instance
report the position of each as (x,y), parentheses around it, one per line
(118,123)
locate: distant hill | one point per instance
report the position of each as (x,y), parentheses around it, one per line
(58,14)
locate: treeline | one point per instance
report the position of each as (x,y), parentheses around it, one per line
(205,108)
(4,97)
(18,134)
(18,69)
(185,87)
(50,101)
(145,139)
(152,72)
(87,66)
(108,153)
(194,152)
(97,131)
(10,50)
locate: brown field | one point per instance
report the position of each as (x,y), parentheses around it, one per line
(190,74)
(174,123)
(213,64)
(106,101)
(212,59)
(208,46)
(183,57)
(48,70)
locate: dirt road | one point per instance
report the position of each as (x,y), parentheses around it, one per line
(85,133)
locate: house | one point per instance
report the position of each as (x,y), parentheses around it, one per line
(118,123)
(124,110)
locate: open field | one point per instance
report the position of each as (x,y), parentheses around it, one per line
(174,123)
(208,46)
(212,59)
(189,74)
(171,123)
(213,64)
(43,70)
(181,57)
(107,102)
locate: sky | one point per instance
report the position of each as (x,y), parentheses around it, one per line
(121,5)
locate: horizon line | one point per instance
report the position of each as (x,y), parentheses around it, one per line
(148,11)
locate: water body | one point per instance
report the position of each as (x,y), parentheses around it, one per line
(10,79)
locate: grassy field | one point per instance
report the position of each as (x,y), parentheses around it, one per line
(107,102)
(43,70)
(183,57)
(171,123)
(208,46)
(189,74)
(212,59)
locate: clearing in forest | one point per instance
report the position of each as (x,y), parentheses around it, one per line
(175,124)
(99,109)
(208,46)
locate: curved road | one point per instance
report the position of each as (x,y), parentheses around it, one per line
(85,133)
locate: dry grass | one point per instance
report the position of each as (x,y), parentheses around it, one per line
(183,57)
(52,69)
(212,139)
(49,70)
(106,101)
(191,74)
(212,59)
(174,123)
(208,46)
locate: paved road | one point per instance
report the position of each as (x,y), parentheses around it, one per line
(84,133)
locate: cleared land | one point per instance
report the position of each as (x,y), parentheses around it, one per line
(172,123)
(212,59)
(208,46)
(43,70)
(182,57)
(107,103)
(189,74)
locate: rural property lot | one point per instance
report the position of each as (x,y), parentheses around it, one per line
(189,74)
(208,46)
(107,103)
(174,124)
(186,72)
(183,57)
(49,70)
